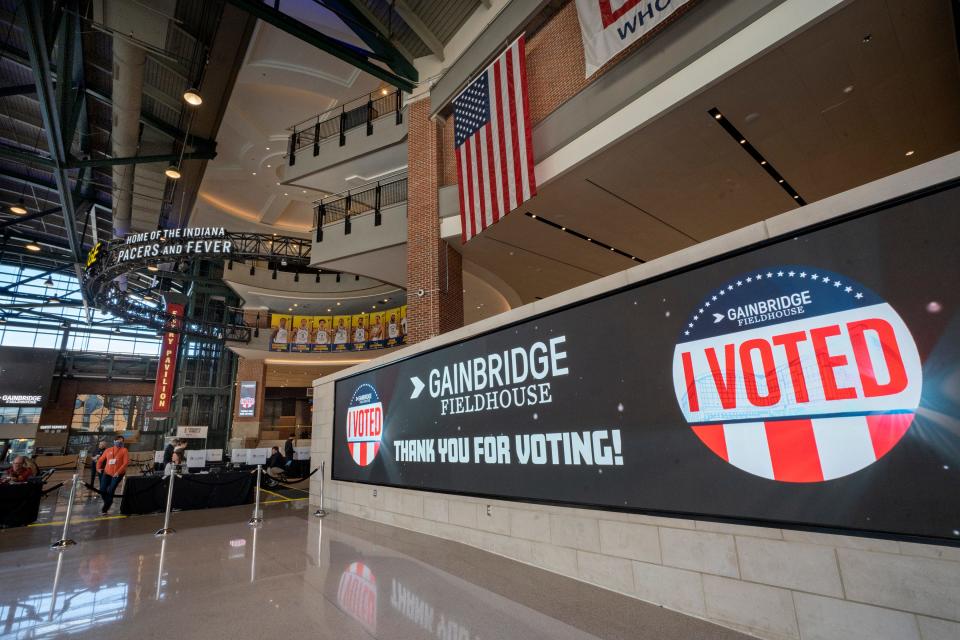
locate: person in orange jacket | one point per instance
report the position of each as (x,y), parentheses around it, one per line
(112,464)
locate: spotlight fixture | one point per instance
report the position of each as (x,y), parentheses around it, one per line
(18,208)
(48,282)
(192,97)
(357,278)
(32,246)
(253,270)
(172,172)
(152,267)
(755,154)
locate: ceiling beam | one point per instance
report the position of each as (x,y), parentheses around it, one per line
(419,27)
(359,58)
(31,20)
(24,156)
(354,17)
(28,217)
(17,90)
(168,158)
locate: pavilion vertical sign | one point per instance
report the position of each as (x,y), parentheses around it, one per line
(167,367)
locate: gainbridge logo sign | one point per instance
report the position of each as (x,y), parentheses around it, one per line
(364,424)
(797,374)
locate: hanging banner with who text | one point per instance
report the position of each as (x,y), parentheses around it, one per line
(167,367)
(610,26)
(809,381)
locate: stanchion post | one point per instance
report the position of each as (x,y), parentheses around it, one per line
(257,516)
(64,541)
(320,513)
(167,529)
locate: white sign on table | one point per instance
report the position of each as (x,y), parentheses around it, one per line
(158,457)
(196,458)
(214,455)
(239,456)
(301,453)
(257,456)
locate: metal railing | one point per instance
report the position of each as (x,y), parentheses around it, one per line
(336,122)
(371,197)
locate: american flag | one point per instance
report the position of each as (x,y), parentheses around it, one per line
(492,139)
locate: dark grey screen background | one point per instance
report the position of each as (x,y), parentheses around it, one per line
(26,371)
(620,352)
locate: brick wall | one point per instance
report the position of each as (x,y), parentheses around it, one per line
(431,264)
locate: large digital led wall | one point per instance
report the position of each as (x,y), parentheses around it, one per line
(811,381)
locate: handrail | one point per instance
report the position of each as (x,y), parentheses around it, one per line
(337,121)
(371,197)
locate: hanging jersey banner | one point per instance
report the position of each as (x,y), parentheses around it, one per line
(610,26)
(807,381)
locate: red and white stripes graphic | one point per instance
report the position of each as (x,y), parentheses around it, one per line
(495,163)
(806,450)
(363,453)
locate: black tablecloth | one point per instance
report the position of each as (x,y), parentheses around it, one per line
(19,503)
(148,494)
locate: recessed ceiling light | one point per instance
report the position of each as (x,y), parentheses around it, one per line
(172,172)
(338,304)
(32,246)
(286,194)
(304,190)
(269,167)
(329,310)
(589,239)
(295,304)
(717,116)
(763,162)
(867,38)
(795,197)
(743,141)
(780,180)
(254,173)
(268,148)
(533,216)
(848,88)
(909,153)
(192,97)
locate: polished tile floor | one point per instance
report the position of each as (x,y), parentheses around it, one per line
(297,576)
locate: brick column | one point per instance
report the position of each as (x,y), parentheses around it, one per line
(431,264)
(255,370)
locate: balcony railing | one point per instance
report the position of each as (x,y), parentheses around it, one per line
(372,197)
(336,122)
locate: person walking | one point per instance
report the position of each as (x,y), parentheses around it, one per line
(95,452)
(113,465)
(288,453)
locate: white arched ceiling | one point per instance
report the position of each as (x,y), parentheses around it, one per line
(282,81)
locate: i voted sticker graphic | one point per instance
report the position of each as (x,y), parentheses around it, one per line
(364,424)
(797,374)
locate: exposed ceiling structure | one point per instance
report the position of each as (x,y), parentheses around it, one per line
(869,91)
(92,112)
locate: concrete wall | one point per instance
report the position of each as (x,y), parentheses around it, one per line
(772,583)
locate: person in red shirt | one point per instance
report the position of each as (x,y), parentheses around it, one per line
(112,464)
(19,472)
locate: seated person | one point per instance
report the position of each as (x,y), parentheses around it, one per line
(176,460)
(275,463)
(19,471)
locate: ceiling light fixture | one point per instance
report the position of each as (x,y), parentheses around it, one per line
(32,246)
(755,154)
(192,97)
(909,153)
(48,282)
(172,172)
(18,208)
(152,267)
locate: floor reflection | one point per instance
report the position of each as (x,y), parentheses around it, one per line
(337,578)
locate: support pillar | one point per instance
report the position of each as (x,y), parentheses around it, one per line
(248,427)
(432,265)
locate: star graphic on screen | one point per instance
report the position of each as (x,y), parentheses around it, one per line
(739,282)
(848,289)
(858,295)
(803,274)
(836,283)
(790,273)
